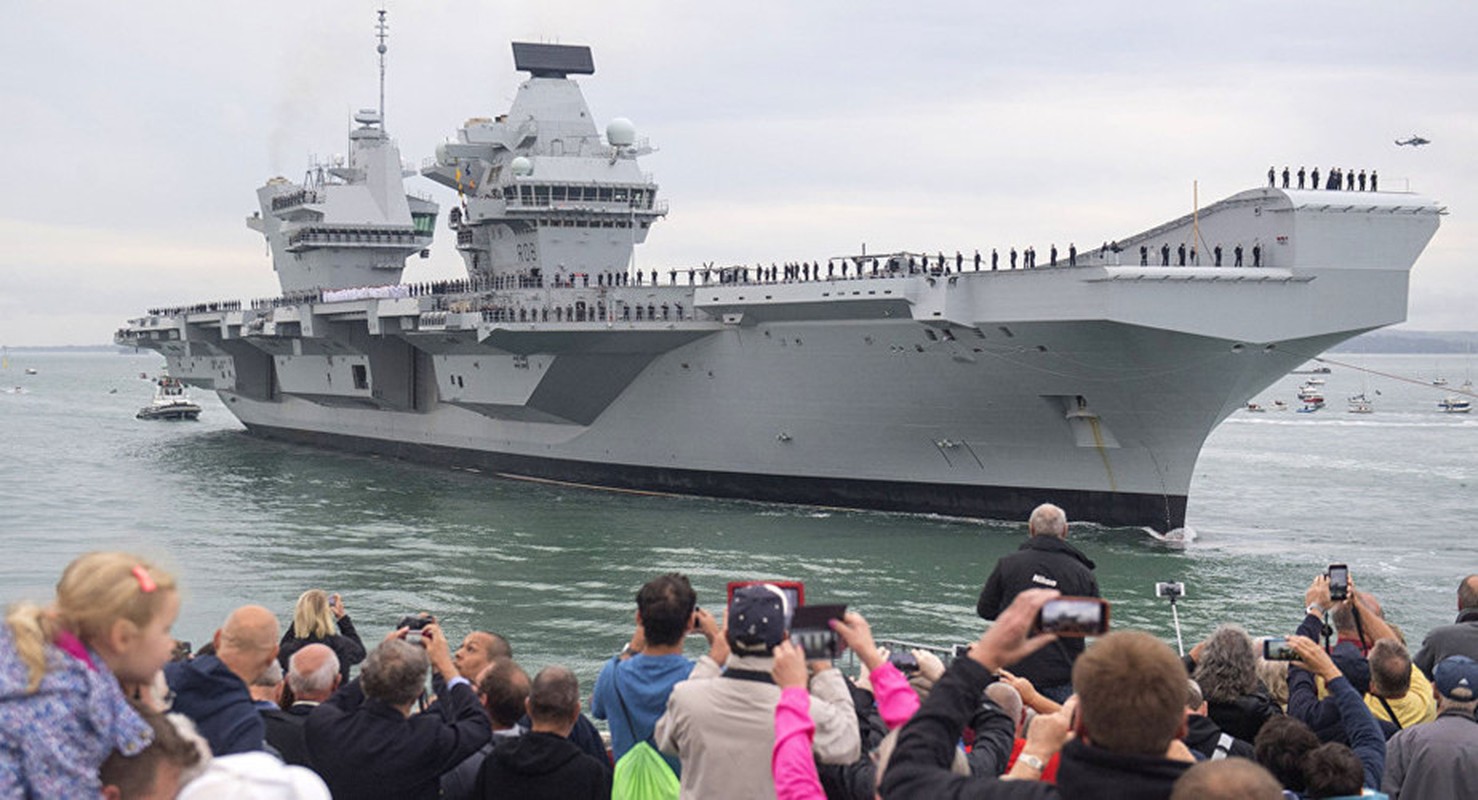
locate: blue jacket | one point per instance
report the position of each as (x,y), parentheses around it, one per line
(1323,715)
(645,683)
(1360,727)
(211,695)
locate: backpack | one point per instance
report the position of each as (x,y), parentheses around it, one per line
(642,773)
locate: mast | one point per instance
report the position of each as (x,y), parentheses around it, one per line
(381,31)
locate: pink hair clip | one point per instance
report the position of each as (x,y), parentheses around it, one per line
(146,583)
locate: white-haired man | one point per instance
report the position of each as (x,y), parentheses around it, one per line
(313,676)
(1044,561)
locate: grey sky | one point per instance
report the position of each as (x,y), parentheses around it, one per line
(134,135)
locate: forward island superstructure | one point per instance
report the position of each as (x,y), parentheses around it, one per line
(881,384)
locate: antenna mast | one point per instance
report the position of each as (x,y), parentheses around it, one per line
(381,31)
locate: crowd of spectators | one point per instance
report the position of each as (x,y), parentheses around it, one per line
(97,699)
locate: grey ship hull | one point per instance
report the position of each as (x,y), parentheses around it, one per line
(815,414)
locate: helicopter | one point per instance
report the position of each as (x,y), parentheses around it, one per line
(1414,141)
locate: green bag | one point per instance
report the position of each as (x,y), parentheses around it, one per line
(643,774)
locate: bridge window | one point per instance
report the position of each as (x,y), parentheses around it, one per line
(361,376)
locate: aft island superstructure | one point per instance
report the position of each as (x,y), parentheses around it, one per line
(883,383)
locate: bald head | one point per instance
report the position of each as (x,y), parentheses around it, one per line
(554,700)
(1227,779)
(1467,593)
(478,650)
(503,687)
(247,642)
(1048,520)
(313,673)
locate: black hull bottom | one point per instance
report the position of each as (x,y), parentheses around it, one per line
(1013,503)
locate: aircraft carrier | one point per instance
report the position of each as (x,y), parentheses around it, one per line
(900,382)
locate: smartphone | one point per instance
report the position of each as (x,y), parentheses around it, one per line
(1339,581)
(906,662)
(1278,649)
(795,591)
(1074,616)
(1172,590)
(810,629)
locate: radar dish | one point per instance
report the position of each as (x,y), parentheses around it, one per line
(552,60)
(621,133)
(521,167)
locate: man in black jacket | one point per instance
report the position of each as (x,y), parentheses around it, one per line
(313,675)
(365,742)
(544,763)
(1044,561)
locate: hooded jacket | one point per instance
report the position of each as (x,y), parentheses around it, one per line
(541,765)
(1042,562)
(52,741)
(216,700)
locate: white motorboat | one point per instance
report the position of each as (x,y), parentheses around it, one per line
(171,402)
(1452,404)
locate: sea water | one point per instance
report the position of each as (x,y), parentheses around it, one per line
(1276,497)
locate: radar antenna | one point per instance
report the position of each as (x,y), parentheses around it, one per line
(381,31)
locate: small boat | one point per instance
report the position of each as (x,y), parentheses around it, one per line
(1361,407)
(30,370)
(1453,404)
(1439,381)
(1255,408)
(1279,405)
(1310,408)
(1314,382)
(170,402)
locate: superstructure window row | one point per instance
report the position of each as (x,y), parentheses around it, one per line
(545,194)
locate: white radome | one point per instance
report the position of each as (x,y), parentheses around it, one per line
(521,166)
(621,132)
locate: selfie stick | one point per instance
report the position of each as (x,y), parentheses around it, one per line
(1175,615)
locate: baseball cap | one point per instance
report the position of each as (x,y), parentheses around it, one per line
(759,617)
(1456,678)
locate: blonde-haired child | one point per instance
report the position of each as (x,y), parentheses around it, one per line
(61,709)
